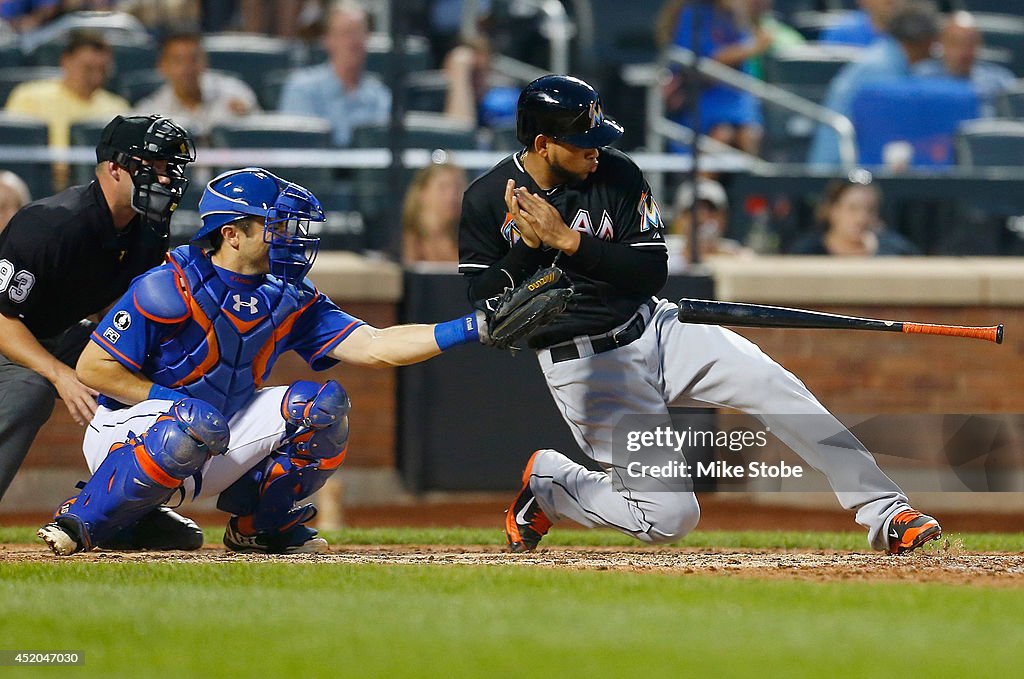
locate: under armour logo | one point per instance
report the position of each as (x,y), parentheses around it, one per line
(251,304)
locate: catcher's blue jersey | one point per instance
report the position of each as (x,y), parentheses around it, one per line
(214,334)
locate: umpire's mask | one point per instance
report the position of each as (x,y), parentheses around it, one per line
(142,145)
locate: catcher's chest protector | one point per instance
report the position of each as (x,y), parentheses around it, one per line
(225,350)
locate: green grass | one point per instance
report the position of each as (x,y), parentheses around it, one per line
(853,540)
(308,620)
(304,620)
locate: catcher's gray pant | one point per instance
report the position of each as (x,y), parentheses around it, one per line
(674,363)
(27,399)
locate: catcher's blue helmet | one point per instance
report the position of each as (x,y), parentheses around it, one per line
(287,210)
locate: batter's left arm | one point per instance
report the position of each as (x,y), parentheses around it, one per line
(641,270)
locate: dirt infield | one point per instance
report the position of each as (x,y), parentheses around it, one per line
(951,565)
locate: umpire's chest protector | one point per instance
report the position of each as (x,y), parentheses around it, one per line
(226,348)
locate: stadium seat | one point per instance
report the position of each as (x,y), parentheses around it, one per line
(279,131)
(250,57)
(992,6)
(138,85)
(426,91)
(1005,34)
(373,188)
(1010,104)
(990,143)
(18,130)
(926,112)
(623,34)
(807,70)
(12,77)
(85,133)
(10,53)
(380,54)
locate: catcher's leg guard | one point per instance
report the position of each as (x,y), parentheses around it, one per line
(141,474)
(263,500)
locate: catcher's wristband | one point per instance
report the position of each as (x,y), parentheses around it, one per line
(460,331)
(161,393)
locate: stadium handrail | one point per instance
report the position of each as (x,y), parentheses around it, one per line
(372,158)
(765,92)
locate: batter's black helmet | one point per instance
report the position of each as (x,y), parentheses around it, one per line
(564,108)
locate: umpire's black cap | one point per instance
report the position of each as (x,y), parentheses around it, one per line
(564,108)
(146,137)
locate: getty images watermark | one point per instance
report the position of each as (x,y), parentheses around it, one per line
(668,439)
(705,450)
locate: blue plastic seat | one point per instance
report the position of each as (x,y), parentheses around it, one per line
(925,112)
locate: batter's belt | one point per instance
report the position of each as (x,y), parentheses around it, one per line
(586,345)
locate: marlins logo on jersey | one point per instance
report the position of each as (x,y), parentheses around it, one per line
(509,230)
(648,209)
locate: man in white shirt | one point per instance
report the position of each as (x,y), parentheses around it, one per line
(194,97)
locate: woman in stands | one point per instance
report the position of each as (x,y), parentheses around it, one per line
(851,223)
(430,214)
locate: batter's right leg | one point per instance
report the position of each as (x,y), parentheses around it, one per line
(556,488)
(26,402)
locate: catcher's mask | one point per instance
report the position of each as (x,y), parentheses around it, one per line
(287,210)
(564,108)
(141,145)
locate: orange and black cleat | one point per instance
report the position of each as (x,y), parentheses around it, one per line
(910,529)
(525,521)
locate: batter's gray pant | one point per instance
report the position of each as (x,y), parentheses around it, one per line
(675,363)
(27,399)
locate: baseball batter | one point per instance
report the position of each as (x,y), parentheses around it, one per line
(617,350)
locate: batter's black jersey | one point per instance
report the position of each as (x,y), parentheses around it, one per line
(622,260)
(61,259)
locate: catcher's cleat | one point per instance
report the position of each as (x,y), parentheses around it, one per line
(910,529)
(525,521)
(60,539)
(161,529)
(297,539)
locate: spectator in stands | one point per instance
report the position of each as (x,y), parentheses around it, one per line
(471,99)
(13,196)
(726,114)
(960,40)
(164,17)
(27,15)
(77,95)
(430,214)
(851,226)
(275,17)
(340,89)
(863,27)
(912,33)
(196,98)
(712,223)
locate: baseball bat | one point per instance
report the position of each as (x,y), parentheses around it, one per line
(711,312)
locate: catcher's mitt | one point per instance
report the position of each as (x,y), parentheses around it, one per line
(526,307)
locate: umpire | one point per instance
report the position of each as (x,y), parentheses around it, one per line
(71,255)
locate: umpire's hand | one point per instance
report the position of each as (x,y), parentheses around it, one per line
(80,399)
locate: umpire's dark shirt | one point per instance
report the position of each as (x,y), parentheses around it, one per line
(61,259)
